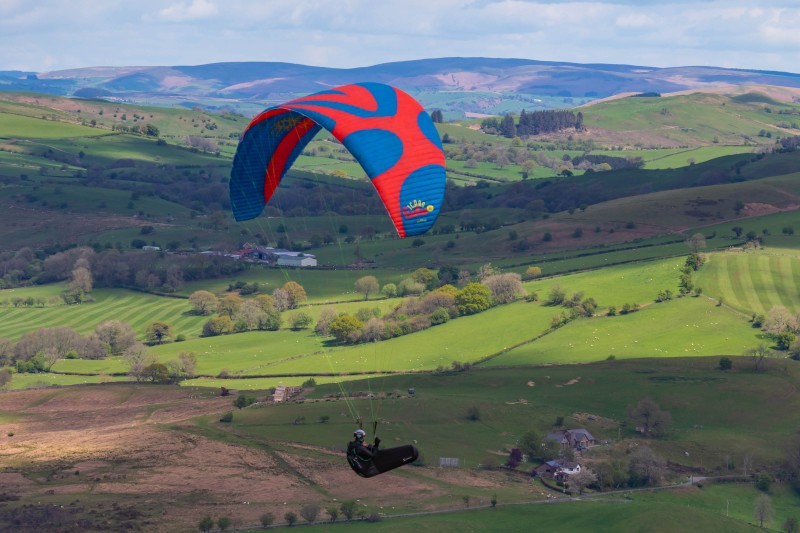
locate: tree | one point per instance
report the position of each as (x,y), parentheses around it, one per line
(764,481)
(348,508)
(344,327)
(223,523)
(5,377)
(531,445)
(300,320)
(505,288)
(203,302)
(582,479)
(116,334)
(326,317)
(790,525)
(290,518)
(389,290)
(473,298)
(267,519)
(156,373)
(309,512)
(296,294)
(206,524)
(229,306)
(426,276)
(367,285)
(333,513)
(218,325)
(250,315)
(763,510)
(532,272)
(473,413)
(6,351)
(243,400)
(725,363)
(646,467)
(514,458)
(183,367)
(737,230)
(81,279)
(780,320)
(649,418)
(557,295)
(696,243)
(157,332)
(758,355)
(137,357)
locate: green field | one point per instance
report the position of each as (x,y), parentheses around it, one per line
(712,509)
(138,309)
(679,328)
(754,282)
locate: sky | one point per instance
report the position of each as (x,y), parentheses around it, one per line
(49,35)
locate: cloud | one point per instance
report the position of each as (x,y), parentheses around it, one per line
(182,12)
(40,35)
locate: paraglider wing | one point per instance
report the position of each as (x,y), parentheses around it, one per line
(386,130)
(386,460)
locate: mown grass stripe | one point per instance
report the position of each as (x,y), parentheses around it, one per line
(725,283)
(743,284)
(755,287)
(768,291)
(783,281)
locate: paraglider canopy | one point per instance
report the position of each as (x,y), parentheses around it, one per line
(387,131)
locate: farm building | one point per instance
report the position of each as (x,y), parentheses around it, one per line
(558,469)
(299,260)
(284,393)
(577,439)
(278,256)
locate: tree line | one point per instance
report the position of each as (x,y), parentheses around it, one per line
(533,123)
(85,268)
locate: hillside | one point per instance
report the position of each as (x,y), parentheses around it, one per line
(610,314)
(457,85)
(98,171)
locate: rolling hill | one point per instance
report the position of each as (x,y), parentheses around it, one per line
(456,84)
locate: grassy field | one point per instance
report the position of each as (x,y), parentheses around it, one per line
(686,119)
(744,413)
(679,328)
(648,333)
(754,281)
(138,309)
(712,509)
(745,410)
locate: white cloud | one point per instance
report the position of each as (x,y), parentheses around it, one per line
(194,10)
(40,34)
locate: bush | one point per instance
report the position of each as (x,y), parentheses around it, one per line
(267,519)
(227,417)
(725,363)
(763,481)
(243,401)
(474,414)
(440,316)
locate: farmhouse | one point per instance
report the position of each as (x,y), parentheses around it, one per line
(558,469)
(577,439)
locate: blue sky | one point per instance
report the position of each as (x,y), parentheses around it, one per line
(46,35)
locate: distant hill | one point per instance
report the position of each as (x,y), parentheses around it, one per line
(459,85)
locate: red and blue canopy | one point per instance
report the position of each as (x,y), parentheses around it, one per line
(386,130)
